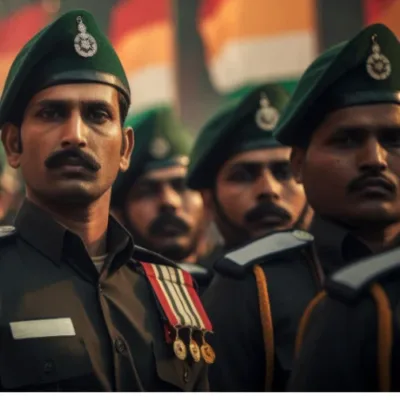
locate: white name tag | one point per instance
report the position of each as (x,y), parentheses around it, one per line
(42,328)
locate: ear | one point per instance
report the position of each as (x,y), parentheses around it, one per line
(10,136)
(127,148)
(297,157)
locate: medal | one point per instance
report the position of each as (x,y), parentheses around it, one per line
(179,347)
(194,349)
(207,352)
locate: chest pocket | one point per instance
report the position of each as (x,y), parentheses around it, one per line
(34,360)
(177,375)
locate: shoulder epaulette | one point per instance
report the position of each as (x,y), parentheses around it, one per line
(7,231)
(236,262)
(349,282)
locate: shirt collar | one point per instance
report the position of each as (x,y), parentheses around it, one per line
(37,227)
(335,245)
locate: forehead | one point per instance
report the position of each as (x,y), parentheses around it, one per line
(368,116)
(260,156)
(78,92)
(162,174)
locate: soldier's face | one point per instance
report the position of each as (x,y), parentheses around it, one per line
(255,194)
(164,214)
(351,169)
(73,144)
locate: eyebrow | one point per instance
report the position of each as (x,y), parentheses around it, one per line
(259,163)
(63,102)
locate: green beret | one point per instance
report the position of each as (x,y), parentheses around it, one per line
(160,142)
(241,126)
(364,70)
(72,49)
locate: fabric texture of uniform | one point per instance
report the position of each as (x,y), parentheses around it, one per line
(233,307)
(119,342)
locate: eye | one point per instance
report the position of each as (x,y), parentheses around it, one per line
(391,139)
(243,174)
(51,113)
(98,115)
(178,185)
(281,171)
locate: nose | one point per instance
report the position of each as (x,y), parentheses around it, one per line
(372,157)
(267,187)
(170,199)
(74,133)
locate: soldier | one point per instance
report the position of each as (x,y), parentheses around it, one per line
(245,179)
(343,123)
(151,198)
(348,336)
(244,174)
(82,307)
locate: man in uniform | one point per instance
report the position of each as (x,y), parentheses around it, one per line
(151,198)
(343,122)
(348,337)
(82,307)
(244,174)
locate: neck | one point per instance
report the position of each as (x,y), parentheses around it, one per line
(89,221)
(378,239)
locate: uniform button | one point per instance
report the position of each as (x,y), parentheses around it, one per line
(120,346)
(49,367)
(186,377)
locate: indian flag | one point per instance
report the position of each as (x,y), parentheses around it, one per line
(384,11)
(15,30)
(142,34)
(251,41)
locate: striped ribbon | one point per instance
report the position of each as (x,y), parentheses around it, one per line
(177,296)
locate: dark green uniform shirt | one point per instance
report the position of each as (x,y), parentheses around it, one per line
(118,343)
(233,308)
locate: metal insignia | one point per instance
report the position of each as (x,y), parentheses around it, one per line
(7,230)
(267,116)
(302,235)
(159,147)
(378,66)
(85,44)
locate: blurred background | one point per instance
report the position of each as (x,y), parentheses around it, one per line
(194,55)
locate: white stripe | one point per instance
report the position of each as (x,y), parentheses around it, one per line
(168,283)
(262,59)
(179,288)
(42,328)
(165,293)
(150,87)
(182,279)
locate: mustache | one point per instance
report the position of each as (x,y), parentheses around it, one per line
(359,182)
(163,219)
(264,209)
(61,157)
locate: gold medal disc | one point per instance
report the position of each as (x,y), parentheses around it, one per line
(194,350)
(180,349)
(208,353)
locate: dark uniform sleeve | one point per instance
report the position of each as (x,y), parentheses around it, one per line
(338,353)
(232,306)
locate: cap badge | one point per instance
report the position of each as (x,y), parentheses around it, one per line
(267,116)
(378,65)
(85,44)
(159,147)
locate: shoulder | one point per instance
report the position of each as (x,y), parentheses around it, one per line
(144,255)
(238,262)
(350,282)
